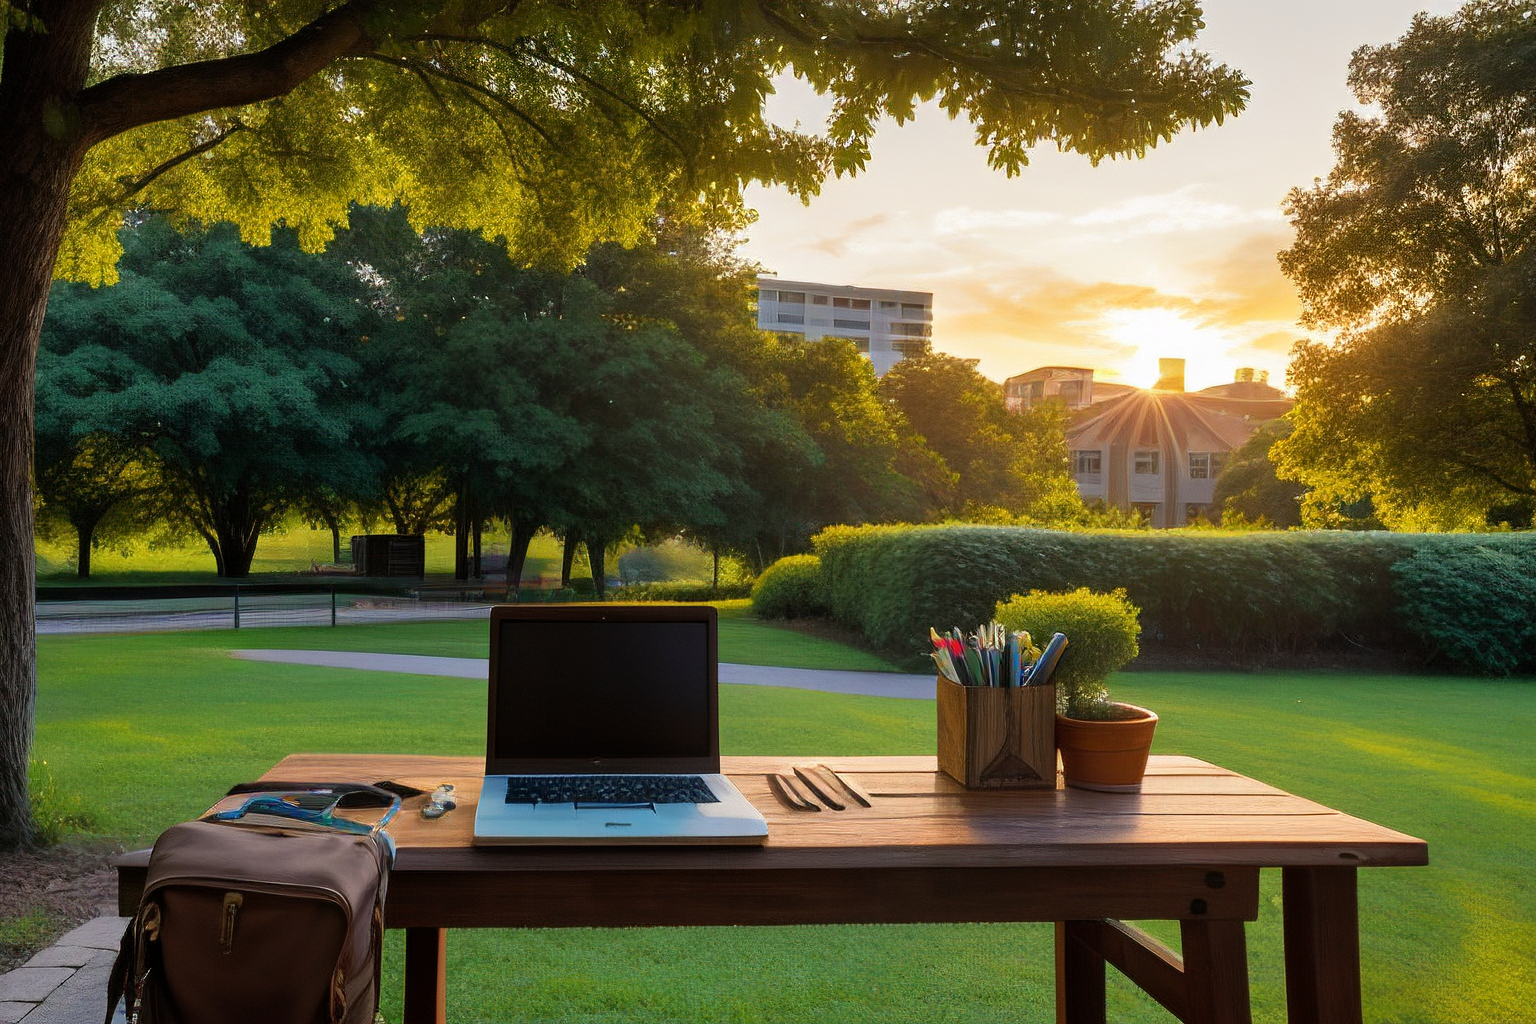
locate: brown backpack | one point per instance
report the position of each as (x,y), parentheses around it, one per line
(257,923)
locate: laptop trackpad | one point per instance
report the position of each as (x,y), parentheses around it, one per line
(583,810)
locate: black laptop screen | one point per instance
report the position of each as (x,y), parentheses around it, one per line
(593,689)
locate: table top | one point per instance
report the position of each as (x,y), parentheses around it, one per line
(1189,813)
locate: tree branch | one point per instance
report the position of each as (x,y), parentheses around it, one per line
(128,101)
(133,187)
(495,97)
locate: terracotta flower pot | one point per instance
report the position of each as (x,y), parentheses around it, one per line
(1109,756)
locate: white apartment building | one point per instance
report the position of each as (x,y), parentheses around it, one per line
(887,325)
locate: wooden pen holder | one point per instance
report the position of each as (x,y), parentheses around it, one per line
(996,738)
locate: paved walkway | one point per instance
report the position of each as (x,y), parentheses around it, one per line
(868,684)
(67,982)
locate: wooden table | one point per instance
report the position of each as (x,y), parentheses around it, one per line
(1188,848)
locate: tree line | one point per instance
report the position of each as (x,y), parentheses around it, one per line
(429,380)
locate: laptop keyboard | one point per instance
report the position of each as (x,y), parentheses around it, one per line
(609,789)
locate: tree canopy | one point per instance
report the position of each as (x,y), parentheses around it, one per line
(1418,249)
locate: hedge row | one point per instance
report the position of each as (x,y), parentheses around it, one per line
(1248,592)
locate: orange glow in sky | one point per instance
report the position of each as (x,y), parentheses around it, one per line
(1109,267)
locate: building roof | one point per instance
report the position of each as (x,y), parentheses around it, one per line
(1167,420)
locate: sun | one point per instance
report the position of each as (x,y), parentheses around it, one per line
(1163,333)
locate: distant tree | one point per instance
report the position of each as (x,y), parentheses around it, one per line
(1016,463)
(1418,248)
(230,363)
(91,483)
(1248,488)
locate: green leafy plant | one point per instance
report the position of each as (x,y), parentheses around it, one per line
(1101,630)
(55,816)
(791,588)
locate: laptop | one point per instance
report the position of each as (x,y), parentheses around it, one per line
(603,727)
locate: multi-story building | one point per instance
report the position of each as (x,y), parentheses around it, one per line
(1159,450)
(887,325)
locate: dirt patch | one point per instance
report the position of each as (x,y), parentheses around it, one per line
(44,893)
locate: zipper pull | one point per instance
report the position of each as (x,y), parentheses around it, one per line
(232,902)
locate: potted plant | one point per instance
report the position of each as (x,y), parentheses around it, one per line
(1103,743)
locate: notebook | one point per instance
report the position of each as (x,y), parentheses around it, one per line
(603,727)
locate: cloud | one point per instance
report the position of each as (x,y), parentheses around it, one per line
(963,220)
(1172,212)
(837,245)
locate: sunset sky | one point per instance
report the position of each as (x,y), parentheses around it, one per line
(1108,267)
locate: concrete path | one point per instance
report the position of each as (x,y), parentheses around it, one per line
(67,982)
(868,684)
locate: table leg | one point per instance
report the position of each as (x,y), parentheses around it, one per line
(1079,975)
(1322,945)
(426,975)
(1216,972)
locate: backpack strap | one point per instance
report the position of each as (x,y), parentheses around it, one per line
(117,981)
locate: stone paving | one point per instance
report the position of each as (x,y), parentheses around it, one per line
(67,982)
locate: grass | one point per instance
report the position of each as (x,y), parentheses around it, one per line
(743,639)
(145,730)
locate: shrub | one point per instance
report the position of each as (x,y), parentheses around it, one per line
(1240,592)
(1475,606)
(1101,631)
(791,588)
(55,816)
(683,590)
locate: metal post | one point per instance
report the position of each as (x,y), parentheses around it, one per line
(333,604)
(237,606)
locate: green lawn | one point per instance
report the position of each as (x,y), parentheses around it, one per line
(147,729)
(744,639)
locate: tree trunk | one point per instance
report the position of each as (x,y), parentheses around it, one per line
(335,541)
(479,527)
(714,585)
(84,530)
(517,551)
(39,155)
(461,538)
(595,548)
(568,554)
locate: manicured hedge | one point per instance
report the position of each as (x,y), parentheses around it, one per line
(791,588)
(1250,592)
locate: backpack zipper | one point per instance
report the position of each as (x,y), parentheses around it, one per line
(232,904)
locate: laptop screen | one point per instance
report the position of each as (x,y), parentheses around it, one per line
(595,691)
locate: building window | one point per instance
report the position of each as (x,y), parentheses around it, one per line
(913,347)
(1218,463)
(819,300)
(851,325)
(912,330)
(1072,393)
(1087,463)
(884,304)
(791,318)
(764,295)
(1147,510)
(1199,465)
(1148,463)
(913,309)
(841,303)
(798,297)
(1196,514)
